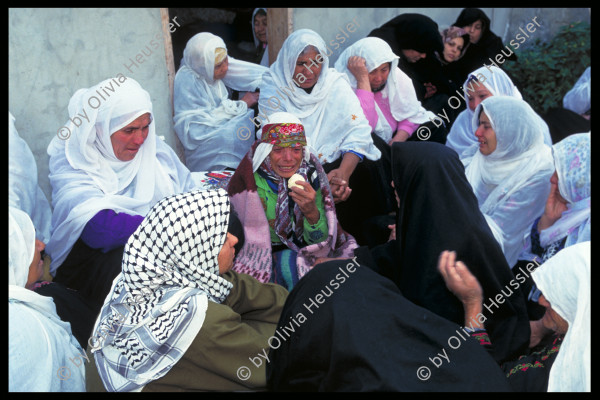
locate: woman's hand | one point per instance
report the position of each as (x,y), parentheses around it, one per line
(306,198)
(460,281)
(555,206)
(251,98)
(392,228)
(538,332)
(358,67)
(400,136)
(339,185)
(430,89)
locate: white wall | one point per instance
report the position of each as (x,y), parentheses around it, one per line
(54,52)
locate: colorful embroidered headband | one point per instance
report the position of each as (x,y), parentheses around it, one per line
(284,135)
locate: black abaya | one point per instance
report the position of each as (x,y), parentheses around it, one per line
(358,333)
(438,211)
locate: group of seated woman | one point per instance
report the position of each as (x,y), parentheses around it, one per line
(190,289)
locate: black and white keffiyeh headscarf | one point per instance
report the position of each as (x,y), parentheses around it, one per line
(158,303)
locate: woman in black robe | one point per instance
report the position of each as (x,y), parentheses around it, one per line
(484,44)
(346,328)
(438,211)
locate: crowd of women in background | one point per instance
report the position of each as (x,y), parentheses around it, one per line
(396,230)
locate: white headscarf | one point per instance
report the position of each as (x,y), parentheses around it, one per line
(572,158)
(23,189)
(265,58)
(513,182)
(331,114)
(399,88)
(215,131)
(461,137)
(86,175)
(158,304)
(565,281)
(39,342)
(264,149)
(579,98)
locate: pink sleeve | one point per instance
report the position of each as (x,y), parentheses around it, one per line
(407,126)
(367,102)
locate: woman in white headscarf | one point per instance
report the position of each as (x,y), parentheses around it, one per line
(40,344)
(389,102)
(23,189)
(105,177)
(259,33)
(177,318)
(301,83)
(510,172)
(561,361)
(565,282)
(215,131)
(567,215)
(480,84)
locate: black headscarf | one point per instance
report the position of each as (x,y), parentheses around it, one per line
(416,32)
(361,334)
(411,31)
(439,211)
(488,46)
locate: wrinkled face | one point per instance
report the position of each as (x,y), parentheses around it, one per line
(554,182)
(36,268)
(551,319)
(412,55)
(260,27)
(453,48)
(285,161)
(221,69)
(378,77)
(478,95)
(227,254)
(307,67)
(127,142)
(485,135)
(474,30)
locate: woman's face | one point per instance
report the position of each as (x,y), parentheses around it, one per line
(453,48)
(478,95)
(554,182)
(227,254)
(378,77)
(260,27)
(221,69)
(127,141)
(485,135)
(308,67)
(285,161)
(474,30)
(412,55)
(551,319)
(36,268)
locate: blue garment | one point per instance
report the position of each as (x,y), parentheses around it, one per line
(108,230)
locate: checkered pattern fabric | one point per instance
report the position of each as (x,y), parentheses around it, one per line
(158,303)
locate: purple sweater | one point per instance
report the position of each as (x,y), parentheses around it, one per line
(108,230)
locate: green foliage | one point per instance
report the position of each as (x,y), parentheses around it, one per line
(546,71)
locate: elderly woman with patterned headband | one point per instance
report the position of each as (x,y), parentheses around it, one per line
(285,204)
(177,318)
